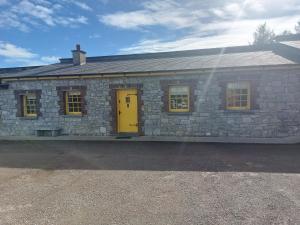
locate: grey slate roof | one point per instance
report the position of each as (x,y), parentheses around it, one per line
(169,61)
(294,44)
(16,69)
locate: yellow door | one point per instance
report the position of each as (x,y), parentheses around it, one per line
(127,111)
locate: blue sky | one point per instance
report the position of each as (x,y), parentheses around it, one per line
(34,32)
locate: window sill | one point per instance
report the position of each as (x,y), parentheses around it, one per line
(28,118)
(179,113)
(72,116)
(240,111)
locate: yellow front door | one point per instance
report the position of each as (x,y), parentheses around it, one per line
(127,111)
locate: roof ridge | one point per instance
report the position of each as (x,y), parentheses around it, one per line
(174,54)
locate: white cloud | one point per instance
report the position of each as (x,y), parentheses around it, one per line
(203,24)
(36,11)
(255,5)
(272,8)
(27,62)
(42,2)
(83,5)
(11,20)
(13,54)
(94,36)
(235,34)
(173,14)
(185,43)
(131,20)
(50,59)
(167,13)
(39,13)
(70,21)
(11,51)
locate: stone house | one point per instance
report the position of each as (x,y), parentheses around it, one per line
(243,91)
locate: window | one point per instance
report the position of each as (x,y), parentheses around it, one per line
(179,99)
(178,96)
(238,96)
(73,103)
(29,105)
(71,100)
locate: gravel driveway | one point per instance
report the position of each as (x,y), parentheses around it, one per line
(134,183)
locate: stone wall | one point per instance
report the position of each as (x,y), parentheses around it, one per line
(277,114)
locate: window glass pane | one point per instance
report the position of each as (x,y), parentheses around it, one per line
(244,98)
(179,98)
(179,90)
(245,91)
(230,86)
(74,102)
(238,95)
(243,85)
(30,108)
(31,97)
(243,103)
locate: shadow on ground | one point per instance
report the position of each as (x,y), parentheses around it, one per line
(154,156)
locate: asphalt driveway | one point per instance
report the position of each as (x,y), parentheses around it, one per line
(138,183)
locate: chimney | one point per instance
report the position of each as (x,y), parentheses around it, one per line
(79,57)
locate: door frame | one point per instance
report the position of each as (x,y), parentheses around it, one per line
(113,102)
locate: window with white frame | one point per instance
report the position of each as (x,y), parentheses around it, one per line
(179,98)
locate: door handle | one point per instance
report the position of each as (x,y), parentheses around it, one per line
(119,112)
(134,124)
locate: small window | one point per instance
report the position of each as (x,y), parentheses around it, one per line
(73,103)
(179,99)
(238,96)
(29,105)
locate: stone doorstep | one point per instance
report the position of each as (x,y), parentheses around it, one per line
(237,140)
